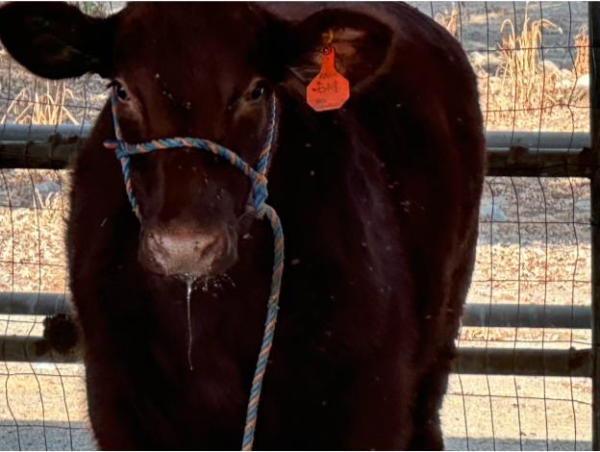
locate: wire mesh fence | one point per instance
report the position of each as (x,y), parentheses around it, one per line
(534,248)
(532,63)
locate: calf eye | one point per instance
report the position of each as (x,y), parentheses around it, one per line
(258,91)
(120,90)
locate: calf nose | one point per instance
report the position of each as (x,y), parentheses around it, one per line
(184,252)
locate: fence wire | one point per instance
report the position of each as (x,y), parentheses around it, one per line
(531,61)
(534,248)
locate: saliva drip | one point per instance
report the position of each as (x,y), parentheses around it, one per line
(189,281)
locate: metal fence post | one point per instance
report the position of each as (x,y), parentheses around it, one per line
(594,27)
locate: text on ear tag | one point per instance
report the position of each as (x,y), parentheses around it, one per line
(329,90)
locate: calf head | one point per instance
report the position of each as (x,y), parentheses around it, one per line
(201,70)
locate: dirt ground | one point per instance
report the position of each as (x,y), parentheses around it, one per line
(480,413)
(534,243)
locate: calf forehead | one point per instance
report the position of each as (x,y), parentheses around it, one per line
(190,20)
(192,39)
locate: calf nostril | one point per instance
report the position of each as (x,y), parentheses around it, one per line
(211,245)
(184,243)
(180,252)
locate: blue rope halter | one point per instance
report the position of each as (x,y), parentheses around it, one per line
(256,204)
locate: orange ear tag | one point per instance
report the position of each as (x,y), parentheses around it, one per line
(329,90)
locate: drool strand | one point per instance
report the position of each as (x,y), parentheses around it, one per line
(189,287)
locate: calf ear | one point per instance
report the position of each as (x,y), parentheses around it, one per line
(361,42)
(56,40)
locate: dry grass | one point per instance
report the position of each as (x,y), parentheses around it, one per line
(528,93)
(449,20)
(521,89)
(522,85)
(581,65)
(520,70)
(30,107)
